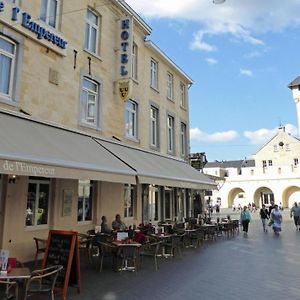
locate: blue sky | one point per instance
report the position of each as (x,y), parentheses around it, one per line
(241,54)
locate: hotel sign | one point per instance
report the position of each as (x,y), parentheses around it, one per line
(126,42)
(40,30)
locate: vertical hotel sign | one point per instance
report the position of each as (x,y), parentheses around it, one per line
(126,44)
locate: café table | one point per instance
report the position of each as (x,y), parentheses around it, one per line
(129,251)
(17,274)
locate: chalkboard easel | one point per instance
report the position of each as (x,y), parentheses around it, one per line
(62,249)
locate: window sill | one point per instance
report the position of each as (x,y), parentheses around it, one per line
(183,108)
(85,125)
(154,148)
(135,81)
(83,223)
(154,89)
(8,101)
(93,54)
(37,227)
(170,99)
(133,139)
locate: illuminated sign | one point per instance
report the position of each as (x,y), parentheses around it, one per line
(126,47)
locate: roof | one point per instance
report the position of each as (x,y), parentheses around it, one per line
(295,82)
(231,164)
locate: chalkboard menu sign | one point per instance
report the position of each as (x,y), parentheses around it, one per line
(62,249)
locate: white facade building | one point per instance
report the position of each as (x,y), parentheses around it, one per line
(273,173)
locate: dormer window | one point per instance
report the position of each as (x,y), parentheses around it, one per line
(270,163)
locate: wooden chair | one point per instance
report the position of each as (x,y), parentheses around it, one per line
(107,250)
(85,244)
(42,281)
(40,245)
(8,289)
(152,249)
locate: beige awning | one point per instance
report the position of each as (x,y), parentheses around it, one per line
(36,149)
(157,169)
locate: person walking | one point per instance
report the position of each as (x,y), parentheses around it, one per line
(264,215)
(276,218)
(295,212)
(245,219)
(271,207)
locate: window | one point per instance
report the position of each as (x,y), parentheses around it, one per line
(154,130)
(287,147)
(7,63)
(296,161)
(37,202)
(264,163)
(85,200)
(129,200)
(170,86)
(154,74)
(90,102)
(170,128)
(49,12)
(182,95)
(91,32)
(183,139)
(275,148)
(131,119)
(252,172)
(270,163)
(134,61)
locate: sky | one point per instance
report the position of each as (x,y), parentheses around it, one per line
(241,55)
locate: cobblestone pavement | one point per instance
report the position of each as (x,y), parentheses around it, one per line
(261,266)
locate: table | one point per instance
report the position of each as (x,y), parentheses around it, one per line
(15,274)
(129,253)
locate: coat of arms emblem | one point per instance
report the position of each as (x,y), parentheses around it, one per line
(124,89)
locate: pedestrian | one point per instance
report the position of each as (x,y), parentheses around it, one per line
(245,219)
(272,206)
(217,208)
(264,216)
(295,211)
(276,218)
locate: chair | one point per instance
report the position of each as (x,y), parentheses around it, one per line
(40,245)
(85,244)
(174,244)
(198,237)
(152,249)
(42,281)
(107,250)
(9,289)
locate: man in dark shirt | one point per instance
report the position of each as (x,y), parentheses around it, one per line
(271,207)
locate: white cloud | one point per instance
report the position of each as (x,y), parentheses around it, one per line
(211,61)
(225,136)
(198,44)
(241,19)
(252,54)
(261,136)
(246,72)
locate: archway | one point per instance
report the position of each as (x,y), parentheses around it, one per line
(263,195)
(236,196)
(290,195)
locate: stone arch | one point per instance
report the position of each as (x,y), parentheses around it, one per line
(263,195)
(234,195)
(290,195)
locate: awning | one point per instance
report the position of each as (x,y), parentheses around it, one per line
(36,149)
(157,169)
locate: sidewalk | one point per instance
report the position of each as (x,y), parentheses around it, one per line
(261,266)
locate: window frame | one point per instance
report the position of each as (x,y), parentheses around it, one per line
(48,11)
(170,134)
(183,139)
(134,61)
(130,194)
(154,74)
(83,104)
(170,86)
(12,74)
(97,27)
(129,113)
(182,90)
(91,185)
(38,182)
(264,163)
(154,124)
(296,162)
